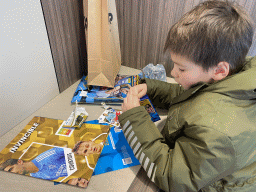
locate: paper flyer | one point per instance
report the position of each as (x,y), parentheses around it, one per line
(46,150)
(116,154)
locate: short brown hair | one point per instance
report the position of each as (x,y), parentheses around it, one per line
(77,145)
(7,163)
(212,32)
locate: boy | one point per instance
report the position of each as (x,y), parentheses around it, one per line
(86,148)
(208,141)
(80,182)
(49,165)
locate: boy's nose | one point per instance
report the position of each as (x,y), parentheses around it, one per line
(174,72)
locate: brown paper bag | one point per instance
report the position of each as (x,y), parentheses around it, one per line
(102,39)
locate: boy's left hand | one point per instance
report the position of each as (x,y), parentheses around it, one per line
(132,100)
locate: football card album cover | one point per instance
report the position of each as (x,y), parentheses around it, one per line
(46,149)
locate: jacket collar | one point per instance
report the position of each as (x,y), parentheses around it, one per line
(188,93)
(241,86)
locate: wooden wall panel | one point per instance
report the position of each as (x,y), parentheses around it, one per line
(144,25)
(65,27)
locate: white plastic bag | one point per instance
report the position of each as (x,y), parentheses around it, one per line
(155,72)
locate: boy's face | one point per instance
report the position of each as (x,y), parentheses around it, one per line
(81,182)
(89,147)
(19,168)
(187,73)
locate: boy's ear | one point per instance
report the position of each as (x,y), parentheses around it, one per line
(221,71)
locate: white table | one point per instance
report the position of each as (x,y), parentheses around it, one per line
(60,108)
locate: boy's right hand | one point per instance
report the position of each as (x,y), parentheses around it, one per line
(142,89)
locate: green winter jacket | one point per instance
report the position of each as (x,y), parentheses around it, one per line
(208,141)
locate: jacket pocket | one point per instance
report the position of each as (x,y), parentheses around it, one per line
(172,131)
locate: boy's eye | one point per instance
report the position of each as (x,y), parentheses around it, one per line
(181,70)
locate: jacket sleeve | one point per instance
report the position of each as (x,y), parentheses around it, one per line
(199,158)
(161,93)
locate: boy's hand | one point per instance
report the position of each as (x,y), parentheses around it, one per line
(142,89)
(132,100)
